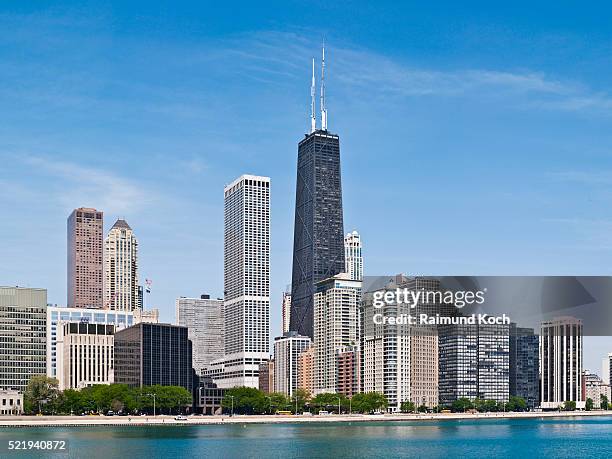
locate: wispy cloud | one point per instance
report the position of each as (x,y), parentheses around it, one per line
(74,185)
(360,70)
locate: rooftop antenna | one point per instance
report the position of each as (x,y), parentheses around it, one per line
(313,116)
(323,109)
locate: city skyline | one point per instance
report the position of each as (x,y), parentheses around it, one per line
(132,156)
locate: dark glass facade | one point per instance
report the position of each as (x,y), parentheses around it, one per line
(148,354)
(318,240)
(525,365)
(474,362)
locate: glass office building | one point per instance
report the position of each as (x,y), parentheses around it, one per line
(147,354)
(318,239)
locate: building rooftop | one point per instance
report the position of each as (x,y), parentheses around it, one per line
(120,223)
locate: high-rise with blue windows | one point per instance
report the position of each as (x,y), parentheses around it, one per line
(318,238)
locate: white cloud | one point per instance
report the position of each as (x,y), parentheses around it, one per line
(76,185)
(361,71)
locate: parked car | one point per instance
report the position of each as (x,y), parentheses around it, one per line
(110,413)
(180,417)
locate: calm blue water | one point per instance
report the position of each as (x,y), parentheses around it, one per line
(560,437)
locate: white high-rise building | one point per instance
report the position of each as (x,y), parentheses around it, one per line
(336,326)
(606,366)
(203,318)
(287,349)
(247,281)
(286,310)
(121,268)
(353,260)
(561,362)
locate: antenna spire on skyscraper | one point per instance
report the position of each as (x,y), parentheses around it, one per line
(323,109)
(313,116)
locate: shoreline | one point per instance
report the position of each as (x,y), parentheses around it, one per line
(161,420)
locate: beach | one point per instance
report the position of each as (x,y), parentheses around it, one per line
(84,421)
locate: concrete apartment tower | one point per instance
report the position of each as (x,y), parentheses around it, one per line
(85,259)
(400,360)
(121,268)
(287,349)
(561,362)
(336,327)
(203,318)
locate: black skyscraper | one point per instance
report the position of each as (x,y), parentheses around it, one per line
(318,240)
(147,354)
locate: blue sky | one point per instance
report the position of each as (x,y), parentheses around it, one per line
(475,139)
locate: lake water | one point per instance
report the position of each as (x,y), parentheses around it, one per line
(549,437)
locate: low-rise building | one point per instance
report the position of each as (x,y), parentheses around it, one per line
(84,355)
(209,397)
(149,354)
(595,388)
(11,402)
(57,315)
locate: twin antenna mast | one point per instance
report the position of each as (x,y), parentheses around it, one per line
(313,116)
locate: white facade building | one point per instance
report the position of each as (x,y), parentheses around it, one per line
(121,268)
(400,360)
(246,281)
(287,349)
(606,366)
(85,355)
(11,403)
(336,326)
(595,389)
(353,259)
(561,362)
(203,318)
(56,315)
(286,311)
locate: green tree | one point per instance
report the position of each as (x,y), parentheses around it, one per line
(246,400)
(302,397)
(407,406)
(368,402)
(589,404)
(461,405)
(277,402)
(40,394)
(569,405)
(516,404)
(603,402)
(328,401)
(70,402)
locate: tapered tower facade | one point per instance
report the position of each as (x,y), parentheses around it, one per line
(318,239)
